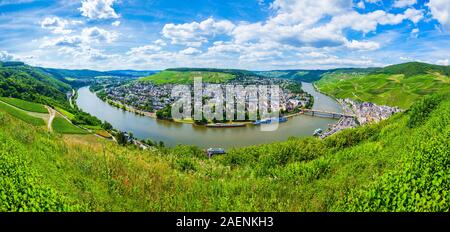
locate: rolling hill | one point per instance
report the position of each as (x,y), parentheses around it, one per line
(313,75)
(31,84)
(398,85)
(187,77)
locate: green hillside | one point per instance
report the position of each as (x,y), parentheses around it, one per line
(187,77)
(30,84)
(20,114)
(386,86)
(401,164)
(314,75)
(416,68)
(62,126)
(25,105)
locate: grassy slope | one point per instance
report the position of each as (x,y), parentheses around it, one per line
(360,169)
(22,115)
(25,105)
(177,77)
(386,89)
(61,125)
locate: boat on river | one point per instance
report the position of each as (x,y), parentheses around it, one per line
(270,120)
(225,125)
(318,131)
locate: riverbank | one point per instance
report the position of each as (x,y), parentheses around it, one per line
(173,134)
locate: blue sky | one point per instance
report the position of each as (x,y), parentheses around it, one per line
(248,34)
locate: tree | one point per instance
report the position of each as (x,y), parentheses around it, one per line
(107,126)
(122,138)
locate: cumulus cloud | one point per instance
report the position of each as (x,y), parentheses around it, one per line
(147,49)
(98,9)
(440,10)
(98,35)
(87,37)
(58,25)
(5,56)
(404,3)
(190,51)
(160,42)
(196,33)
(116,23)
(363,45)
(361,5)
(443,62)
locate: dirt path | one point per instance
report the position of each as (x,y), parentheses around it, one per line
(52,113)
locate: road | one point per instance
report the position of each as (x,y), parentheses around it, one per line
(52,114)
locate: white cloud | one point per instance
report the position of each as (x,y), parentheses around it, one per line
(443,62)
(5,56)
(63,41)
(195,34)
(116,23)
(147,49)
(374,1)
(160,42)
(440,10)
(98,35)
(301,23)
(361,5)
(98,9)
(415,32)
(87,37)
(363,45)
(58,25)
(190,51)
(404,3)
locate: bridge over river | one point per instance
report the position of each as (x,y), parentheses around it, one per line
(324,113)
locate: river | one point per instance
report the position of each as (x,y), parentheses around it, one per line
(177,133)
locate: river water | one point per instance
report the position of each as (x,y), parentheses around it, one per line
(177,133)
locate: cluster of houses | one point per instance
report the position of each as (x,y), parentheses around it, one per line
(142,96)
(367,112)
(148,97)
(364,113)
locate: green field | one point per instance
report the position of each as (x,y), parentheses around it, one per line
(65,113)
(187,77)
(385,89)
(25,105)
(22,115)
(62,126)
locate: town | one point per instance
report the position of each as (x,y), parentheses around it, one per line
(363,113)
(146,97)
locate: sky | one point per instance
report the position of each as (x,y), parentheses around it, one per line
(244,34)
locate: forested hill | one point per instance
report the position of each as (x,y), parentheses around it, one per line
(313,75)
(67,74)
(236,72)
(19,80)
(415,68)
